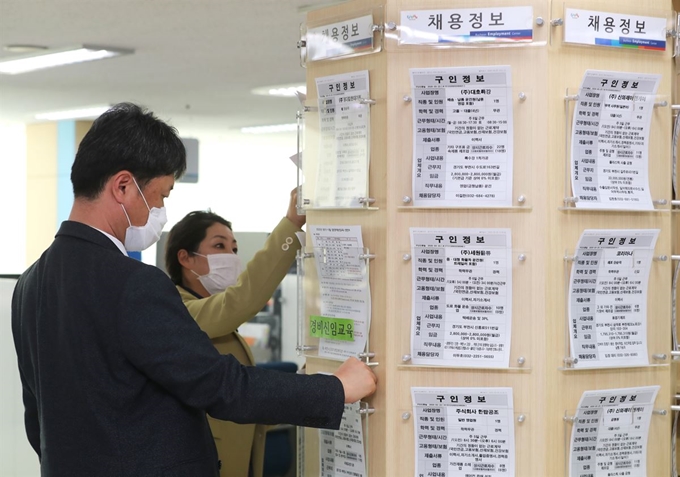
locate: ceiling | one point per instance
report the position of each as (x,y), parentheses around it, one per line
(195,60)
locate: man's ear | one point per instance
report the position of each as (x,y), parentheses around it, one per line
(184,258)
(120,185)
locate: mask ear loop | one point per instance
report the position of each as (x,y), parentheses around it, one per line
(143,198)
(142,194)
(200,255)
(126,215)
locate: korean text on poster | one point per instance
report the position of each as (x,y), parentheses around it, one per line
(341,452)
(462,297)
(344,288)
(588,27)
(608,297)
(610,432)
(467,25)
(349,37)
(610,140)
(342,175)
(464,432)
(462,136)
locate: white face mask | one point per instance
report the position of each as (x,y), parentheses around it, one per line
(138,238)
(223,272)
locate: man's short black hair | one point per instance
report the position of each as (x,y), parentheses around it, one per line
(126,137)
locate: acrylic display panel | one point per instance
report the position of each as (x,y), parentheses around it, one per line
(334,172)
(646,33)
(655,165)
(522,172)
(520,340)
(481,24)
(405,421)
(655,357)
(346,36)
(309,446)
(620,426)
(333,337)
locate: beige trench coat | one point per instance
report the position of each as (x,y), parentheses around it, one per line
(220,315)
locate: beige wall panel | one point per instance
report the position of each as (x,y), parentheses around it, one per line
(675,365)
(544,71)
(675,240)
(529,165)
(373,223)
(675,374)
(82,127)
(349,9)
(373,234)
(567,65)
(41,188)
(41,171)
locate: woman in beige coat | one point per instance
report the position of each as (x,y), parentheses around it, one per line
(200,261)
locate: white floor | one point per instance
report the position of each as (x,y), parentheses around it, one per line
(17,458)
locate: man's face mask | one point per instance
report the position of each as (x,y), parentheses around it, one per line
(138,238)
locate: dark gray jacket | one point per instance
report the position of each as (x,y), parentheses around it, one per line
(117,377)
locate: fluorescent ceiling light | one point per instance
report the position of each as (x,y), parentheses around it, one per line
(18,48)
(51,58)
(277,128)
(82,113)
(285,90)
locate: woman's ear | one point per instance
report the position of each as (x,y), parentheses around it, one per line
(184,258)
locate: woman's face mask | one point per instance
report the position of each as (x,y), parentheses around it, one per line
(223,271)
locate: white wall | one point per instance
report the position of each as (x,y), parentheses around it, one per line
(245,178)
(13,197)
(17,458)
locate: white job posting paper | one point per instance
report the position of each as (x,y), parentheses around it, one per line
(343,283)
(462,136)
(608,297)
(610,432)
(341,452)
(462,297)
(610,140)
(342,176)
(464,432)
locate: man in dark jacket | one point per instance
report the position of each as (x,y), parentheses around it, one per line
(117,377)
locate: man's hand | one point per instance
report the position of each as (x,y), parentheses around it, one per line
(357,379)
(292,215)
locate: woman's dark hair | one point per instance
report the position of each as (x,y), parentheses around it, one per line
(187,234)
(126,137)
